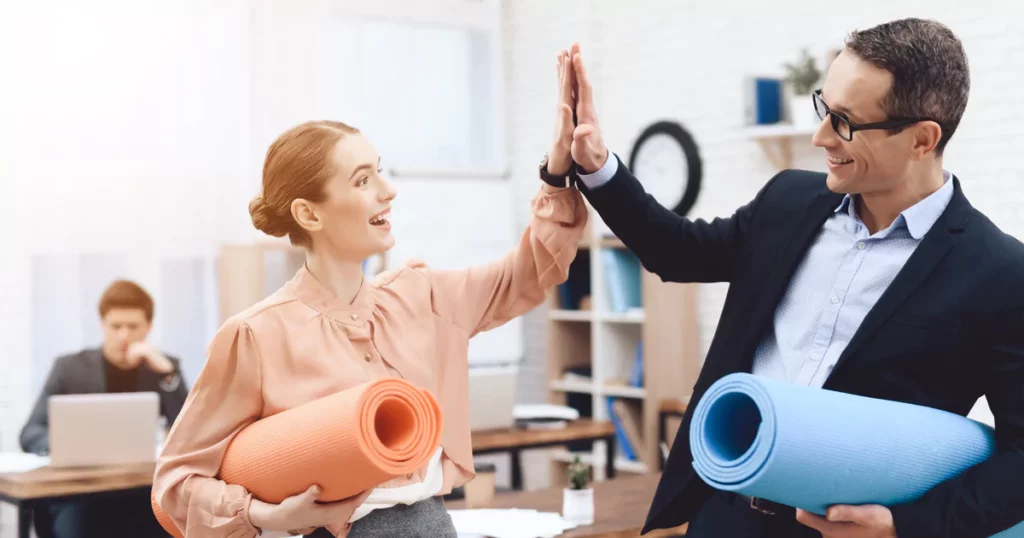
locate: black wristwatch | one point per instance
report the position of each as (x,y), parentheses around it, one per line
(562,182)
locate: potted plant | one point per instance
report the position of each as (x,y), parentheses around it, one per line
(578,498)
(802,77)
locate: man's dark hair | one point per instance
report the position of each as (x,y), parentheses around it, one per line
(930,77)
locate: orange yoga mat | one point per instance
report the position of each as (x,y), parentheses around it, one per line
(347,443)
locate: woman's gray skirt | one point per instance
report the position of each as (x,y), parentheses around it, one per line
(425,519)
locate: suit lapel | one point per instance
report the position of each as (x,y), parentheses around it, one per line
(934,246)
(777,280)
(94,376)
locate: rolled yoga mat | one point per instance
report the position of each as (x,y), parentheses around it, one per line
(811,448)
(347,443)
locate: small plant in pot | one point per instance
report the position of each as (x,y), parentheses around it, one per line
(802,76)
(578,498)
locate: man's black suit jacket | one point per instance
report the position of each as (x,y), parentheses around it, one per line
(948,330)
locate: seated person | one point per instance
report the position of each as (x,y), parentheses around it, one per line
(124,363)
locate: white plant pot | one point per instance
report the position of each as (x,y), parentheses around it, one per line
(801,111)
(578,506)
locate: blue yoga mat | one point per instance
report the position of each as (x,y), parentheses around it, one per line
(811,448)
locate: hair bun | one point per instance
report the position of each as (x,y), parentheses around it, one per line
(266,220)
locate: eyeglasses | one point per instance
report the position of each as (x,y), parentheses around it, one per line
(845,128)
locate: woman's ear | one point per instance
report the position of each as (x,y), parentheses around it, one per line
(305,214)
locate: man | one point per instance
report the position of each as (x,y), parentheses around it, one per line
(878,279)
(124,363)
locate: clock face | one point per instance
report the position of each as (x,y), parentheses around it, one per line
(666,162)
(663,169)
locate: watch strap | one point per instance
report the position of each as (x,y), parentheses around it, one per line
(560,181)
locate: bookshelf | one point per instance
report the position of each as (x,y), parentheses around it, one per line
(592,347)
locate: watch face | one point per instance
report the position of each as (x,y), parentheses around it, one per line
(662,168)
(666,162)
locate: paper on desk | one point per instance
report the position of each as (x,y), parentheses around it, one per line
(20,462)
(544,412)
(509,523)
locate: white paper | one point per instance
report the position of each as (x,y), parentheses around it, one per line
(508,523)
(20,462)
(545,411)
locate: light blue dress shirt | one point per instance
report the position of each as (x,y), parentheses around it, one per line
(839,280)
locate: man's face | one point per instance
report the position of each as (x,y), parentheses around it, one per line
(121,328)
(874,161)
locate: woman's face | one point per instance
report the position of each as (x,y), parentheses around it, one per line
(354,219)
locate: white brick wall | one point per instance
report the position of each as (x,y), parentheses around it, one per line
(685,61)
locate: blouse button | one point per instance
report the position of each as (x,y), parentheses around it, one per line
(355,317)
(368,356)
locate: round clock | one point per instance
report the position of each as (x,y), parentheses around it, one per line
(666,162)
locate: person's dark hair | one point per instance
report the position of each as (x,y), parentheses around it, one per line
(930,77)
(126,294)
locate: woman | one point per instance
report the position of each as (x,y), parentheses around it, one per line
(328,330)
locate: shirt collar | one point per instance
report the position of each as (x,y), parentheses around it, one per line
(310,291)
(918,218)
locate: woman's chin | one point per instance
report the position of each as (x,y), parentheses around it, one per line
(386,243)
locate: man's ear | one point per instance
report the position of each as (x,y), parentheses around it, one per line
(926,138)
(306,215)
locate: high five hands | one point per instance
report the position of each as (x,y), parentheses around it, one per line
(580,143)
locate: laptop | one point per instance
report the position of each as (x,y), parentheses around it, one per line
(492,396)
(89,430)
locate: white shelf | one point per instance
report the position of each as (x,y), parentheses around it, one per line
(624,391)
(573,386)
(621,464)
(628,317)
(780,130)
(570,315)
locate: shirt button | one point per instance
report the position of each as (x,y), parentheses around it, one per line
(368,356)
(355,317)
(861,245)
(815,356)
(835,300)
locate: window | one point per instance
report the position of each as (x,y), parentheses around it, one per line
(421,78)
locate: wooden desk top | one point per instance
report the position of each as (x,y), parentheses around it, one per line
(49,482)
(620,507)
(672,405)
(576,430)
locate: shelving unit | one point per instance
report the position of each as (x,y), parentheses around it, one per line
(604,342)
(775,141)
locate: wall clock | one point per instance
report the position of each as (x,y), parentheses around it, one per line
(666,161)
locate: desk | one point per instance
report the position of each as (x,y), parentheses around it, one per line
(25,489)
(620,507)
(669,407)
(515,440)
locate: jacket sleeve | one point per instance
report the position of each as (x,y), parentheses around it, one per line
(675,248)
(35,435)
(173,394)
(486,296)
(986,498)
(226,398)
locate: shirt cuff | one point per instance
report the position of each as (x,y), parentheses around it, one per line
(602,176)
